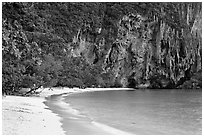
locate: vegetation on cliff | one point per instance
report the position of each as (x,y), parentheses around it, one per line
(154,45)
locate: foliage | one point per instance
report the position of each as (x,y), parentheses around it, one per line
(49,70)
(76,72)
(15,51)
(59,44)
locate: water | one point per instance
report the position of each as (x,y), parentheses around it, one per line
(143,111)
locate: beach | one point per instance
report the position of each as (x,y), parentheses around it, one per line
(52,113)
(30,115)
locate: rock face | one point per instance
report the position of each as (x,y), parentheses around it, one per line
(138,45)
(149,52)
(129,56)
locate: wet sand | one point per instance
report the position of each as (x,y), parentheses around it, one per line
(45,115)
(75,123)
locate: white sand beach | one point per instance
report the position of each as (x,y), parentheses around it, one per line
(30,116)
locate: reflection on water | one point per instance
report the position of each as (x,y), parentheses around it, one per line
(144,111)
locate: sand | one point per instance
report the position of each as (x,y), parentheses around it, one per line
(30,116)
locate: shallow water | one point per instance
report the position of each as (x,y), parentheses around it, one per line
(167,112)
(73,123)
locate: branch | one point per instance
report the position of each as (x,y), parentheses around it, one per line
(32,89)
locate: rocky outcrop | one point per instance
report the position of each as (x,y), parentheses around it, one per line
(139,45)
(158,50)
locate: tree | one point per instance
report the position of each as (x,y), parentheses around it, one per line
(49,70)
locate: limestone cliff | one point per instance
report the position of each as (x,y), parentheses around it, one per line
(161,49)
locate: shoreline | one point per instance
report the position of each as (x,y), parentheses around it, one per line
(74,122)
(30,115)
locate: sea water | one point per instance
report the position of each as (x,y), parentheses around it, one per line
(151,112)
